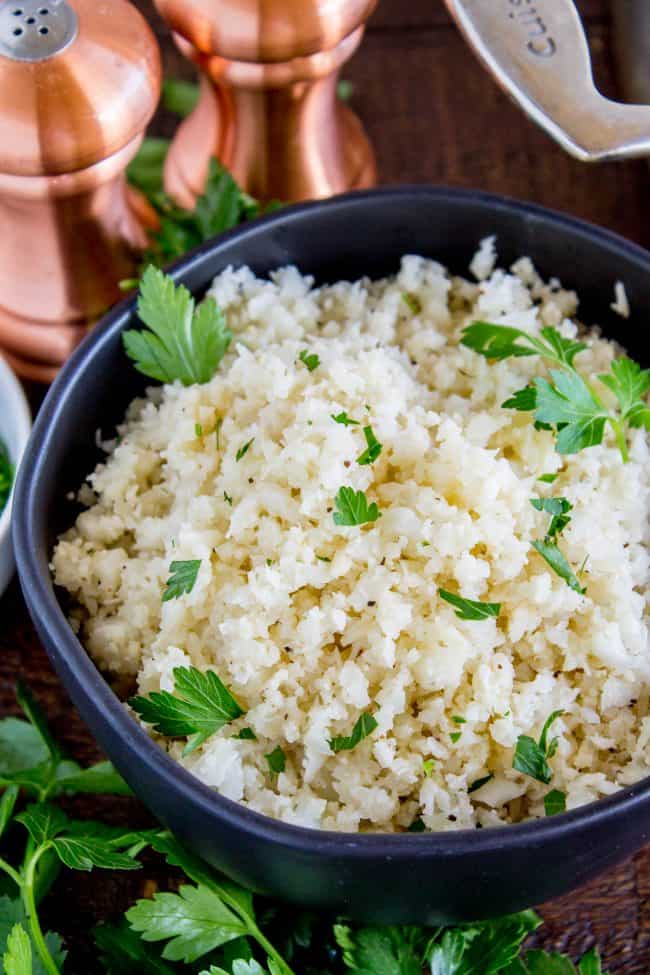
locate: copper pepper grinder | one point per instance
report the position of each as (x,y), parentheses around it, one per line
(79,81)
(268,107)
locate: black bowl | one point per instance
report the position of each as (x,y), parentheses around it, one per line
(398,878)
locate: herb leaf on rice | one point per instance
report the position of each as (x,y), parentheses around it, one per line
(181,342)
(200,705)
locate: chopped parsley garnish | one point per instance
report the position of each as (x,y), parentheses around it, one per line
(198,429)
(227,498)
(457,719)
(246,734)
(269,563)
(6,475)
(243,450)
(470,609)
(277,761)
(373,448)
(479,783)
(554,802)
(548,478)
(181,342)
(412,302)
(200,705)
(428,766)
(567,404)
(310,359)
(353,508)
(364,726)
(182,579)
(455,736)
(559,509)
(323,558)
(559,564)
(345,420)
(531,757)
(417,826)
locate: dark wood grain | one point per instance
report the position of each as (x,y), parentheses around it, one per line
(434,116)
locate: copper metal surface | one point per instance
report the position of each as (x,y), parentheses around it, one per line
(69,124)
(268,108)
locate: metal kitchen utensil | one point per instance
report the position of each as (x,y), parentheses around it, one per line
(268,107)
(79,82)
(537,50)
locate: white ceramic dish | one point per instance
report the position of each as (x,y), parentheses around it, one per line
(15,425)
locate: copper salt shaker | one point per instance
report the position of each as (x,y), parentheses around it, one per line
(79,81)
(268,107)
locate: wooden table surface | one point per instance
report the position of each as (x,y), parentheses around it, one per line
(434,116)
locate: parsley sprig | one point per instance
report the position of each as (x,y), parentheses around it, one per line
(352,508)
(181,342)
(373,448)
(470,609)
(199,707)
(568,403)
(532,758)
(364,726)
(182,579)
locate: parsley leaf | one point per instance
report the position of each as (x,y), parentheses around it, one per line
(181,342)
(455,736)
(539,962)
(122,952)
(428,765)
(483,949)
(243,450)
(558,563)
(246,734)
(630,384)
(504,342)
(373,449)
(310,359)
(179,97)
(195,920)
(145,171)
(353,508)
(559,509)
(554,802)
(182,579)
(344,419)
(417,826)
(277,760)
(6,475)
(479,783)
(17,958)
(569,401)
(382,950)
(548,478)
(200,706)
(524,400)
(531,760)
(363,727)
(412,302)
(531,757)
(470,609)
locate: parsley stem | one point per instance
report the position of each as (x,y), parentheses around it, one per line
(9,870)
(620,439)
(27,886)
(272,952)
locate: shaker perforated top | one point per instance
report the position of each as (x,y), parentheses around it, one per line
(33,31)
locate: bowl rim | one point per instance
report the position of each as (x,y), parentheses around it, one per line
(68,654)
(19,407)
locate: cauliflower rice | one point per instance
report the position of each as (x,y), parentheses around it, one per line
(309,624)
